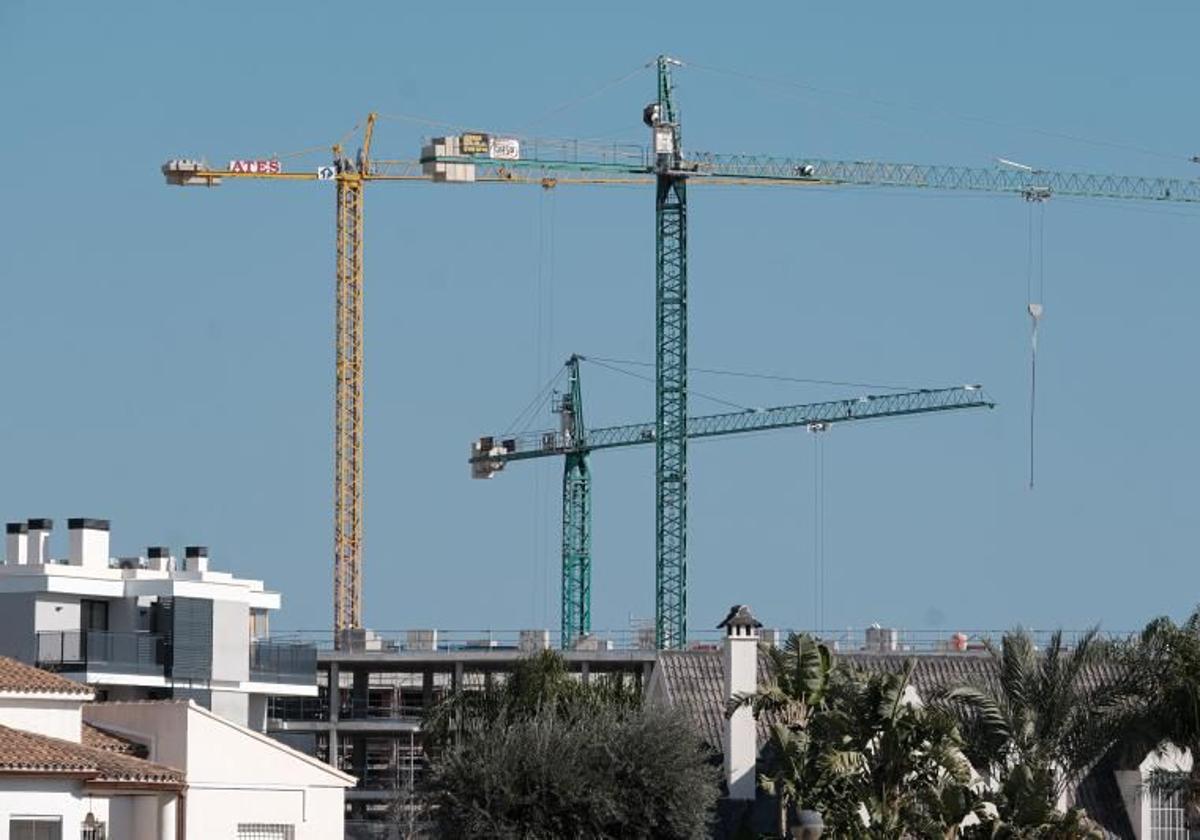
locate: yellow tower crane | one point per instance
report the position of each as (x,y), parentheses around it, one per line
(350,178)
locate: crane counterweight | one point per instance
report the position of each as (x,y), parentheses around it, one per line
(184,172)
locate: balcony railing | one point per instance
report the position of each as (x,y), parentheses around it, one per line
(283,662)
(641,640)
(101,650)
(316,709)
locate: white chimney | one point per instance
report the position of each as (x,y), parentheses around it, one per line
(17,549)
(741,677)
(39,541)
(88,543)
(195,558)
(160,558)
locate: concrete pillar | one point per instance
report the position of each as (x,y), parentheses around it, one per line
(359,693)
(458,676)
(167,815)
(647,672)
(427,687)
(334,696)
(585,671)
(333,712)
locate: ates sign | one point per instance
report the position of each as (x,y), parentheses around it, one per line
(255,167)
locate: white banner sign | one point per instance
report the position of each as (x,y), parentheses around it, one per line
(504,148)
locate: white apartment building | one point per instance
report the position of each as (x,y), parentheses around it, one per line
(149,770)
(149,626)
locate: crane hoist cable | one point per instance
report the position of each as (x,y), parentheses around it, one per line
(525,418)
(818,430)
(650,379)
(1035,306)
(543,306)
(767,376)
(604,88)
(942,112)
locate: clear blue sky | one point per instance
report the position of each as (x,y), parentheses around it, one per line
(169,352)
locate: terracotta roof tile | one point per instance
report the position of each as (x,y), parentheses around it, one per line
(27,752)
(694,680)
(102,739)
(17,676)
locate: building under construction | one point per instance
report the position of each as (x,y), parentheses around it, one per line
(366,717)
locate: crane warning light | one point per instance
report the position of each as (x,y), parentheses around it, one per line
(255,167)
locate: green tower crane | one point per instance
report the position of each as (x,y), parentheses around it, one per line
(483,157)
(574,442)
(670,393)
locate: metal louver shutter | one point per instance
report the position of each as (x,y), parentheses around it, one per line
(191,639)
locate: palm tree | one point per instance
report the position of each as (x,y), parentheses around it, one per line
(1042,723)
(841,742)
(914,778)
(1165,663)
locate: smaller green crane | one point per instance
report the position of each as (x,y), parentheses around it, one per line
(573,441)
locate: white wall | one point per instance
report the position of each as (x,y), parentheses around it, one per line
(144,824)
(56,612)
(256,715)
(55,718)
(162,727)
(48,797)
(215,811)
(231,641)
(234,776)
(234,705)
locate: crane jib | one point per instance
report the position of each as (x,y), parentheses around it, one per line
(500,449)
(705,166)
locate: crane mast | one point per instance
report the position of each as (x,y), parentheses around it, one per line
(670,393)
(576,612)
(348,389)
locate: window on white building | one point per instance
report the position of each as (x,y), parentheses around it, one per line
(260,623)
(1166,816)
(35,828)
(265,831)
